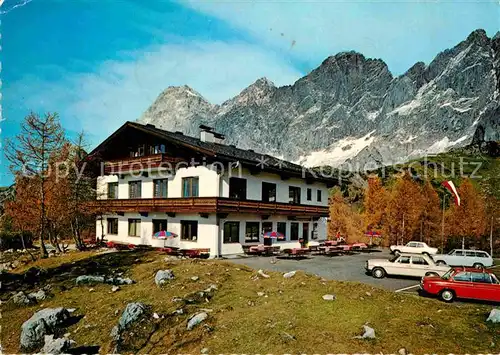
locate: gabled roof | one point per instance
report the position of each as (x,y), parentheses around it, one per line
(223,152)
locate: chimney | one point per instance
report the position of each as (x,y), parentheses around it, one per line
(208,135)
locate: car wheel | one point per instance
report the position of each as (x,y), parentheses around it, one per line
(478,266)
(440,263)
(378,273)
(431,274)
(447,295)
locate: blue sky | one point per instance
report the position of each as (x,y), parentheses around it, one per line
(100,63)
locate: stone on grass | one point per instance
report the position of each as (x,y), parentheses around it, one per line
(289,274)
(211,288)
(163,276)
(264,275)
(329,297)
(204,351)
(402,351)
(120,281)
(20,298)
(196,319)
(368,294)
(260,294)
(156,316)
(368,334)
(40,295)
(42,323)
(56,346)
(194,278)
(132,313)
(89,280)
(115,288)
(494,316)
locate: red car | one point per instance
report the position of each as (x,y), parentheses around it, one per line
(461,282)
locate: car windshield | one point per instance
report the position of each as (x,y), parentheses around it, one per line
(447,276)
(451,252)
(393,258)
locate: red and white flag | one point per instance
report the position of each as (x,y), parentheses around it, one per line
(450,186)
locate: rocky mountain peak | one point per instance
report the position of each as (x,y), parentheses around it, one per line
(352,110)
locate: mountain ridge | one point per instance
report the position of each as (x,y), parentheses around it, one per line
(353,110)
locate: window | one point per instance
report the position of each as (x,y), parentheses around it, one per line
(481,277)
(309,194)
(315,230)
(268,192)
(190,187)
(418,260)
(112,190)
(294,195)
(157,149)
(318,195)
(404,260)
(412,245)
(238,188)
(159,225)
(134,227)
(160,188)
(481,254)
(232,232)
(140,151)
(470,253)
(462,276)
(294,231)
(252,232)
(113,226)
(189,230)
(459,253)
(134,189)
(281,228)
(267,227)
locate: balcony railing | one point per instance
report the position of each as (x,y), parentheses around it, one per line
(208,205)
(139,163)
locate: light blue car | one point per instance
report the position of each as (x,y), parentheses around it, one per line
(463,257)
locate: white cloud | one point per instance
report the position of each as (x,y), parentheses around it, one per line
(122,90)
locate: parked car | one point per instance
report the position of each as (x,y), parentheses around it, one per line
(471,283)
(462,257)
(413,247)
(412,265)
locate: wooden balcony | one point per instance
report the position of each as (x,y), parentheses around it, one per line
(139,163)
(209,205)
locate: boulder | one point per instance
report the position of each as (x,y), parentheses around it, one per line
(40,295)
(368,334)
(494,316)
(289,274)
(163,276)
(42,323)
(196,319)
(120,281)
(89,280)
(20,298)
(329,297)
(132,313)
(56,346)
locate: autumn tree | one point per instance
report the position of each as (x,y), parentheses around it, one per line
(430,218)
(29,154)
(344,219)
(403,210)
(468,220)
(374,203)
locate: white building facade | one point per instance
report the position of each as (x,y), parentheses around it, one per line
(213,196)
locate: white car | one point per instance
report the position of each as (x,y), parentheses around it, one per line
(463,257)
(413,247)
(411,265)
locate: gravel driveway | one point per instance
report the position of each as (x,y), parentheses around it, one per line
(342,268)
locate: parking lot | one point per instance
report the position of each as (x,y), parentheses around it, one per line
(342,268)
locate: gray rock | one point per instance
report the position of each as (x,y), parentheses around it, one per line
(89,280)
(195,278)
(20,298)
(289,275)
(115,288)
(369,333)
(211,288)
(196,319)
(121,281)
(163,276)
(329,297)
(260,294)
(132,313)
(494,316)
(42,323)
(40,295)
(402,351)
(56,346)
(204,351)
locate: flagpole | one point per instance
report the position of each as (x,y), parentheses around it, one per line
(442,225)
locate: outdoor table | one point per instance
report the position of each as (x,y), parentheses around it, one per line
(296,252)
(195,253)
